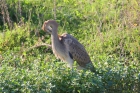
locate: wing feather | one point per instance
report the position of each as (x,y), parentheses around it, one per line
(76,49)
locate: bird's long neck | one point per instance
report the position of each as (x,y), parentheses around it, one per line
(55,40)
(57,46)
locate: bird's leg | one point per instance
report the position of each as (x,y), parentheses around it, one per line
(79,67)
(70,62)
(70,65)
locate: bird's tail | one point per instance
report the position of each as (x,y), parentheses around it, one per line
(91,67)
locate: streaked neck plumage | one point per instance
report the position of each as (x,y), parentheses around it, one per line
(56,44)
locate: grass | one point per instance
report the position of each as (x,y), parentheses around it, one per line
(109,30)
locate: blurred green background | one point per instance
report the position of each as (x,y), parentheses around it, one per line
(109,30)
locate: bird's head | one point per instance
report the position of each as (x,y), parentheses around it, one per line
(50,26)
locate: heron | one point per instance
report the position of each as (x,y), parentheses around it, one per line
(67,48)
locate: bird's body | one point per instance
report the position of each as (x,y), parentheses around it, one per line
(67,48)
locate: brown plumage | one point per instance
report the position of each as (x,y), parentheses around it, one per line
(67,48)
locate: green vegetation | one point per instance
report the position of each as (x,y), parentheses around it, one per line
(109,30)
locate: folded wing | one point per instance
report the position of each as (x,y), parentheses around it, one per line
(76,50)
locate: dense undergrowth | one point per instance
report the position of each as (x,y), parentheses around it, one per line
(109,30)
